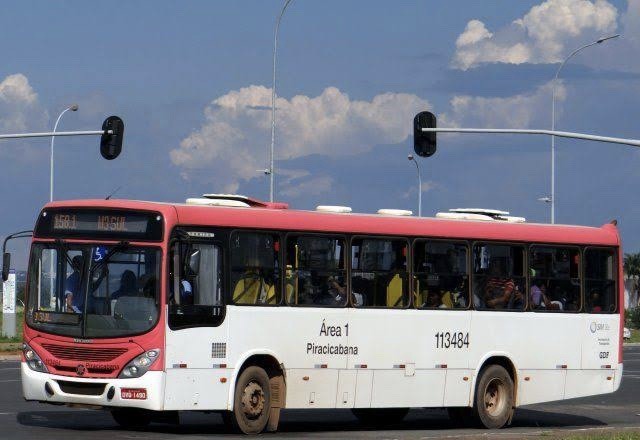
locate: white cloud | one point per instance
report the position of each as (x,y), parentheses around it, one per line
(233,141)
(543,35)
(529,110)
(19,106)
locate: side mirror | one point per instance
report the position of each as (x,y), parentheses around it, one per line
(6,264)
(424,144)
(111,144)
(193,262)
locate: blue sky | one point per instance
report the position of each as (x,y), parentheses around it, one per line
(190,80)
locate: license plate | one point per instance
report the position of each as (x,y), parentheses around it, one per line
(133,393)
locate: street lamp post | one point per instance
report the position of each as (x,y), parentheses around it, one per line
(553,121)
(411,158)
(271,170)
(73,108)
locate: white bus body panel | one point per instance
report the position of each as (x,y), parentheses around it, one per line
(33,388)
(397,362)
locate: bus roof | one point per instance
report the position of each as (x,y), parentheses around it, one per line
(298,220)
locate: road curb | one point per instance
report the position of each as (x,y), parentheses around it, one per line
(9,357)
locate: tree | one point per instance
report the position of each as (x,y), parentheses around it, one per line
(632,269)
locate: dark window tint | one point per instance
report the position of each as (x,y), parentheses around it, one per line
(600,281)
(498,281)
(379,273)
(555,278)
(254,268)
(315,271)
(441,278)
(195,294)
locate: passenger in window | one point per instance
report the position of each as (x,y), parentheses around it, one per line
(498,289)
(252,288)
(433,299)
(127,285)
(594,301)
(74,300)
(338,293)
(538,294)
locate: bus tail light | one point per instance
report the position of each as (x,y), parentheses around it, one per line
(140,364)
(33,360)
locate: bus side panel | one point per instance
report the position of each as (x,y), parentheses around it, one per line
(309,342)
(600,335)
(542,346)
(193,368)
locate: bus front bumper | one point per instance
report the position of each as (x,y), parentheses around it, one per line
(50,388)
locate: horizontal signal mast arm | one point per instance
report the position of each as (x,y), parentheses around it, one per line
(57,133)
(564,134)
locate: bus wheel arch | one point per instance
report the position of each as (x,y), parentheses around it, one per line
(496,373)
(275,373)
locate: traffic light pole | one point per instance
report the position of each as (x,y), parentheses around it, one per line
(56,134)
(563,134)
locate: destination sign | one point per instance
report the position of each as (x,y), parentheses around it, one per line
(89,223)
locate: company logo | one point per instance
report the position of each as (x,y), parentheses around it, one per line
(80,370)
(599,326)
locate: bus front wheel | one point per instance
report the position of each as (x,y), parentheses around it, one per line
(252,402)
(380,416)
(494,397)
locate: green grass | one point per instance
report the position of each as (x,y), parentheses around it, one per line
(18,338)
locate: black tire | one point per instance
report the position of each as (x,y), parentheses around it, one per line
(131,418)
(461,416)
(252,402)
(380,416)
(494,398)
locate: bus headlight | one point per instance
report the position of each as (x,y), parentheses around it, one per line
(140,364)
(33,360)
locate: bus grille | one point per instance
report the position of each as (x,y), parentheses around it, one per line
(83,388)
(84,353)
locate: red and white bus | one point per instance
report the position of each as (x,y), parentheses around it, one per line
(229,304)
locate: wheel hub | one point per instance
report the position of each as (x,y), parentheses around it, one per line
(494,397)
(253,399)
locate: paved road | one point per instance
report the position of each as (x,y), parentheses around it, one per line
(25,420)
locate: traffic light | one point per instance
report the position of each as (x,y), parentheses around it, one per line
(111,144)
(424,144)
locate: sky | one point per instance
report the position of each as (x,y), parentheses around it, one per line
(192,81)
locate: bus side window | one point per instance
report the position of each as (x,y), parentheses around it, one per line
(255,275)
(499,282)
(600,280)
(555,279)
(315,271)
(441,276)
(199,292)
(379,273)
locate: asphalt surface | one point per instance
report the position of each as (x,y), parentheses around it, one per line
(619,411)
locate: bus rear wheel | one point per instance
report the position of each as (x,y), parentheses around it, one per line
(494,397)
(380,416)
(252,402)
(131,418)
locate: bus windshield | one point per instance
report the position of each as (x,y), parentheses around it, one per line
(93,290)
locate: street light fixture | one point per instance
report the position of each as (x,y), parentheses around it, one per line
(270,171)
(411,158)
(553,121)
(73,108)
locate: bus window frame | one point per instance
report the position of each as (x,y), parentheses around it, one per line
(347,260)
(229,294)
(51,243)
(615,250)
(467,243)
(581,274)
(215,240)
(525,276)
(409,271)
